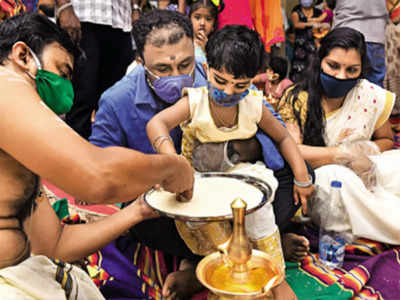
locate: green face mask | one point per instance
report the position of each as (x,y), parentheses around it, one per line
(56,91)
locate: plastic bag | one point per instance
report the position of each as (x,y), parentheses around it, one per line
(355,156)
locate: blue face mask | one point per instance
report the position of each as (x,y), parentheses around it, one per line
(169,88)
(223,99)
(336,88)
(306,3)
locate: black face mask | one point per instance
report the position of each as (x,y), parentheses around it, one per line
(334,87)
(21,216)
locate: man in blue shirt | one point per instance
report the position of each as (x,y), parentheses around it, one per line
(164,42)
(165,47)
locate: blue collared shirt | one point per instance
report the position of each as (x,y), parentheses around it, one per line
(126,107)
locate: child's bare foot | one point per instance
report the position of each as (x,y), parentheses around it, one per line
(283,291)
(182,284)
(295,247)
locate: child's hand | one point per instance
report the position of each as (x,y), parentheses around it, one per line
(301,194)
(201,40)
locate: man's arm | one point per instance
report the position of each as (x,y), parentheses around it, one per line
(67,19)
(48,237)
(33,135)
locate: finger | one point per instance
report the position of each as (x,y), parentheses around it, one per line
(296,197)
(165,290)
(78,34)
(188,194)
(304,204)
(70,32)
(157,187)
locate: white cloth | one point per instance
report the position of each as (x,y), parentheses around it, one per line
(35,279)
(260,223)
(115,13)
(372,214)
(365,108)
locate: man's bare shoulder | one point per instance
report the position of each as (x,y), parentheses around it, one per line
(13,87)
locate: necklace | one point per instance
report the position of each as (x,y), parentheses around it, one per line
(221,119)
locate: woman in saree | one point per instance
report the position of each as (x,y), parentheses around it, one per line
(340,121)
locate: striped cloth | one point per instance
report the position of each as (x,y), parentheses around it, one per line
(115,13)
(9,8)
(370,271)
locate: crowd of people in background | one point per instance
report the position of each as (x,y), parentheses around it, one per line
(301,96)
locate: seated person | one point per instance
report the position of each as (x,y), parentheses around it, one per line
(36,63)
(340,121)
(275,79)
(228,110)
(125,109)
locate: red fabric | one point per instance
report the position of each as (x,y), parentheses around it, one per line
(106,209)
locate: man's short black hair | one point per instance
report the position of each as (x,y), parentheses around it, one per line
(35,30)
(178,24)
(237,49)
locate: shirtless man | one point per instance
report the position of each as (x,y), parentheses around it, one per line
(36,63)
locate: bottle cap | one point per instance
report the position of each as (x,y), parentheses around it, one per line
(336,184)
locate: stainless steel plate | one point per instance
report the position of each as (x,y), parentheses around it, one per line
(261,185)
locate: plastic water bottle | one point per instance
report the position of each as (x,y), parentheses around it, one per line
(331,243)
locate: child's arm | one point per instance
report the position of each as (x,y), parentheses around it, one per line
(161,124)
(319,19)
(287,146)
(260,78)
(297,23)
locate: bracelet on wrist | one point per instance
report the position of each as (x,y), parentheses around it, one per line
(156,144)
(303,184)
(61,8)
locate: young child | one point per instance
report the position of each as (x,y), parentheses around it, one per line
(275,79)
(204,16)
(228,110)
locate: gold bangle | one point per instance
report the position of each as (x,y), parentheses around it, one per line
(159,140)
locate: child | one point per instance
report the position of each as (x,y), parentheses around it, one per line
(275,79)
(228,110)
(204,15)
(328,10)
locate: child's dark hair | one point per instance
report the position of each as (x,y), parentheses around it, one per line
(214,10)
(237,49)
(279,65)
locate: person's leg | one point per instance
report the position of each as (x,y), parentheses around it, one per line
(161,234)
(85,81)
(376,56)
(295,246)
(116,55)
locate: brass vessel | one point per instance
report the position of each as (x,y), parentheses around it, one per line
(237,271)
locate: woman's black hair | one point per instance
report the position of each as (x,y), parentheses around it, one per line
(214,10)
(342,37)
(35,30)
(237,49)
